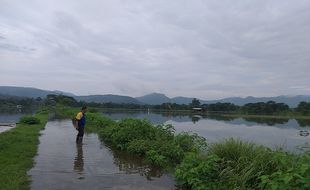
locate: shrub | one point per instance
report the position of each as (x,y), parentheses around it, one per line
(199,172)
(190,142)
(30,120)
(292,173)
(155,158)
(138,146)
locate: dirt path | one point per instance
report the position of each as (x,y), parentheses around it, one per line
(61,164)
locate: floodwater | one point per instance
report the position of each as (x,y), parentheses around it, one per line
(61,164)
(5,128)
(8,118)
(288,134)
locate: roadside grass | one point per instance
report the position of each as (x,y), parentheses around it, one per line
(18,146)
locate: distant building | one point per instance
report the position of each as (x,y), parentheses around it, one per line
(197,109)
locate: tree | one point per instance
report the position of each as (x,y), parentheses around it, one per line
(303,108)
(195,103)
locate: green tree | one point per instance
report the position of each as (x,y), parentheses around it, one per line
(303,108)
(195,103)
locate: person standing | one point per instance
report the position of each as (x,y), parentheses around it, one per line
(81,121)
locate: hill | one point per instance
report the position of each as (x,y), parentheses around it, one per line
(181,100)
(29,92)
(108,98)
(154,99)
(291,101)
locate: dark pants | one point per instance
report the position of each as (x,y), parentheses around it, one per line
(80,135)
(81,131)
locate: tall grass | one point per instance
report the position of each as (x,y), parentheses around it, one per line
(242,165)
(243,162)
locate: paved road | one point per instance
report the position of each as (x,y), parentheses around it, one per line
(61,164)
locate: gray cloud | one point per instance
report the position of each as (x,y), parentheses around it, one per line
(207,49)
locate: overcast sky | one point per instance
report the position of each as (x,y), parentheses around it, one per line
(197,48)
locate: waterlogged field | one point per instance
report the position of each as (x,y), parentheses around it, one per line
(289,134)
(136,154)
(6,118)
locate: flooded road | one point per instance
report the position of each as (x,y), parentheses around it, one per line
(61,164)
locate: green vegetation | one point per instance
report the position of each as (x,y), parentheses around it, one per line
(267,108)
(259,109)
(51,99)
(14,103)
(303,108)
(221,107)
(30,120)
(17,149)
(233,164)
(230,164)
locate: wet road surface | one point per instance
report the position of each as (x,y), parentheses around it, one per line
(61,164)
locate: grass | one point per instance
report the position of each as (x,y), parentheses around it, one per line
(235,164)
(17,149)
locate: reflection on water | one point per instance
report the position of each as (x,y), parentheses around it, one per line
(303,122)
(267,121)
(271,132)
(127,163)
(131,164)
(14,116)
(79,160)
(10,118)
(61,164)
(162,117)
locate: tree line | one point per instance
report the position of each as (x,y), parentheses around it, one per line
(259,108)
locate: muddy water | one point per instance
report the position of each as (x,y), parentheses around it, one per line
(61,164)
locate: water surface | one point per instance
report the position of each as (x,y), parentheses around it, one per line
(61,164)
(289,134)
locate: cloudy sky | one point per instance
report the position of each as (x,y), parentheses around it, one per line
(198,48)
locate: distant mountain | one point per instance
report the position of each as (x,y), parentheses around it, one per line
(29,92)
(181,100)
(157,98)
(154,99)
(108,98)
(291,101)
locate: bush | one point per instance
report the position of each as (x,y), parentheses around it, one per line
(190,142)
(292,173)
(199,172)
(157,143)
(30,120)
